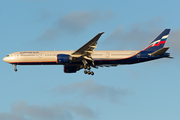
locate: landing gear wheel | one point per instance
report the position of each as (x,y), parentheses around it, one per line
(89,72)
(85,67)
(15,67)
(85,72)
(88,67)
(92,73)
(81,66)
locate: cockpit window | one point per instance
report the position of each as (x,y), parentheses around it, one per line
(7,56)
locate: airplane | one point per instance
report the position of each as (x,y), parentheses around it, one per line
(86,57)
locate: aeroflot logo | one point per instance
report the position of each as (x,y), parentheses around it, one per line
(157,42)
(30,52)
(154,43)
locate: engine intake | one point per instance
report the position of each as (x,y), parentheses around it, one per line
(63,58)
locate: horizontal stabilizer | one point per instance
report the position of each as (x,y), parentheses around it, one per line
(170,57)
(160,51)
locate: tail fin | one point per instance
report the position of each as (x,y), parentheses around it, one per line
(159,42)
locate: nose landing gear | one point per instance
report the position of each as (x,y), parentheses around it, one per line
(15,68)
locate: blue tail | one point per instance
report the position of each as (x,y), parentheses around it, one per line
(159,42)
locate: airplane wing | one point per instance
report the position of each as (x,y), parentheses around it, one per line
(86,50)
(89,47)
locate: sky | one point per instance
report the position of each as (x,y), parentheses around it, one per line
(143,91)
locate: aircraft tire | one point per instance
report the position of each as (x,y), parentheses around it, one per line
(81,66)
(85,72)
(92,73)
(88,67)
(85,67)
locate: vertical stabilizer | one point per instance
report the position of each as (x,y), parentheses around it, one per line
(159,42)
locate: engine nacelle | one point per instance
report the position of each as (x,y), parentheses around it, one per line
(63,58)
(71,69)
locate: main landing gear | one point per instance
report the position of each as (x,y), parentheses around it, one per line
(15,68)
(86,66)
(87,70)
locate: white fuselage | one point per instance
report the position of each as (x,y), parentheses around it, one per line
(51,56)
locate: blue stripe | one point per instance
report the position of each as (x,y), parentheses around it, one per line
(164,39)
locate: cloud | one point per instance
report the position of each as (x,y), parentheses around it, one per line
(66,111)
(50,34)
(140,35)
(174,40)
(9,116)
(76,22)
(90,89)
(84,111)
(137,37)
(44,15)
(73,23)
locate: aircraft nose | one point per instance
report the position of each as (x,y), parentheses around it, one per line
(5,59)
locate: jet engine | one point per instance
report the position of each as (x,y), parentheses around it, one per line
(71,69)
(63,58)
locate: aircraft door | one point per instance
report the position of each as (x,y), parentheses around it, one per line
(17,55)
(138,55)
(40,55)
(107,54)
